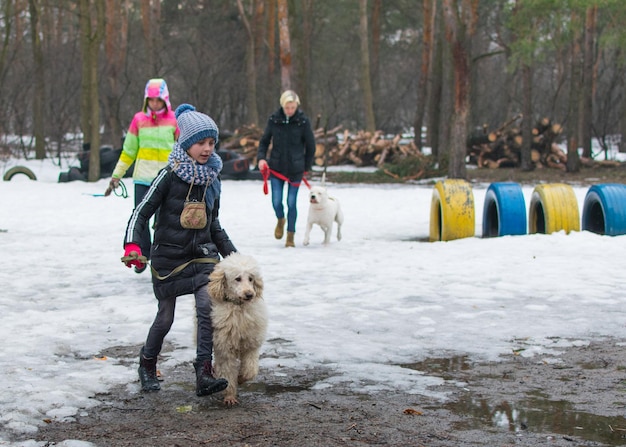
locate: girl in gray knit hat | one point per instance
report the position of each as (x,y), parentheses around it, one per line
(188,241)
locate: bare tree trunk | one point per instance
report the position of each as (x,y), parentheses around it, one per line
(622,119)
(573,160)
(366,83)
(39,90)
(429,11)
(251,104)
(460,18)
(377,11)
(271,36)
(92,33)
(588,80)
(436,106)
(85,98)
(527,112)
(7,12)
(307,57)
(116,42)
(150,19)
(286,68)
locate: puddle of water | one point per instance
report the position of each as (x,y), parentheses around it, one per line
(272,390)
(535,414)
(442,367)
(542,415)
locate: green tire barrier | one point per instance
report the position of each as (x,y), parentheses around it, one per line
(504,210)
(452,211)
(604,209)
(553,207)
(19,170)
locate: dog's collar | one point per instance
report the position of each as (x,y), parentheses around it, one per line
(235,301)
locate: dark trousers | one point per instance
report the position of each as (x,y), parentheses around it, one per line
(165,318)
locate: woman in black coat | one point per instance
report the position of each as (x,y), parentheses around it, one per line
(293,147)
(186,246)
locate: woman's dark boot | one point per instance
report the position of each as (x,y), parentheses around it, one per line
(205,382)
(148,373)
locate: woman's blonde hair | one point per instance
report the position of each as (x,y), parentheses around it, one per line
(289,96)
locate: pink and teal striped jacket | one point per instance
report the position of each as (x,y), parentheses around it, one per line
(150,138)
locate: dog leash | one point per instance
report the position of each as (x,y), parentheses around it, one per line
(266,175)
(181,267)
(133,256)
(123,194)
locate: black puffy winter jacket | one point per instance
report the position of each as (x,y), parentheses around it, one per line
(174,245)
(293,144)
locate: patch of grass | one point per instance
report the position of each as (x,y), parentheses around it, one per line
(410,168)
(422,168)
(413,168)
(360,177)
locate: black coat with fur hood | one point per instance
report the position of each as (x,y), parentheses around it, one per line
(293,144)
(174,245)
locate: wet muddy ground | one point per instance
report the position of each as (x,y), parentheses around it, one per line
(574,397)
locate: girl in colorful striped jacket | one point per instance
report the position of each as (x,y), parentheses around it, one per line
(148,143)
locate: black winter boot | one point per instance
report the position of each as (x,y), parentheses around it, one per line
(205,382)
(148,373)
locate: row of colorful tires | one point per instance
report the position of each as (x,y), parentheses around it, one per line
(553,207)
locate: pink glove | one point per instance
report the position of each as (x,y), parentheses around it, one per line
(132,252)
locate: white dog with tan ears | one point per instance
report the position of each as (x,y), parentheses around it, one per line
(323,211)
(239,320)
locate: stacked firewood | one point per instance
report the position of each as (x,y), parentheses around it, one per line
(502,147)
(245,141)
(333,147)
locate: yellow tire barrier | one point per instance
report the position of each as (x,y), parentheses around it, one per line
(553,207)
(452,211)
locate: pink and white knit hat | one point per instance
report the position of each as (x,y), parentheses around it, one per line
(157,88)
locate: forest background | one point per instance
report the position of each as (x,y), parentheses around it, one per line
(72,73)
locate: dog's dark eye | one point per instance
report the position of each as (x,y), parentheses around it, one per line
(238,279)
(251,278)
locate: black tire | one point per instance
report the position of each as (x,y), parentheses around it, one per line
(75,174)
(19,170)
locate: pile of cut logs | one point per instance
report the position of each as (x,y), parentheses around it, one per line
(502,147)
(333,147)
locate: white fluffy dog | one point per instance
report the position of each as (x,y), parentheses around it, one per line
(323,211)
(239,320)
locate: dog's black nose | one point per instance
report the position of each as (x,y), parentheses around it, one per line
(249,295)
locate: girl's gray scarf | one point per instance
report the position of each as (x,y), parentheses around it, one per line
(189,171)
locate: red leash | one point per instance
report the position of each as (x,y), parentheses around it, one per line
(266,175)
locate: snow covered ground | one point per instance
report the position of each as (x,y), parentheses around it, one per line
(379,298)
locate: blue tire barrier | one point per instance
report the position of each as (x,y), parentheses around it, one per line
(553,207)
(604,209)
(452,211)
(504,210)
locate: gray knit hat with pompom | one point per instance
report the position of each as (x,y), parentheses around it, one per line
(194,126)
